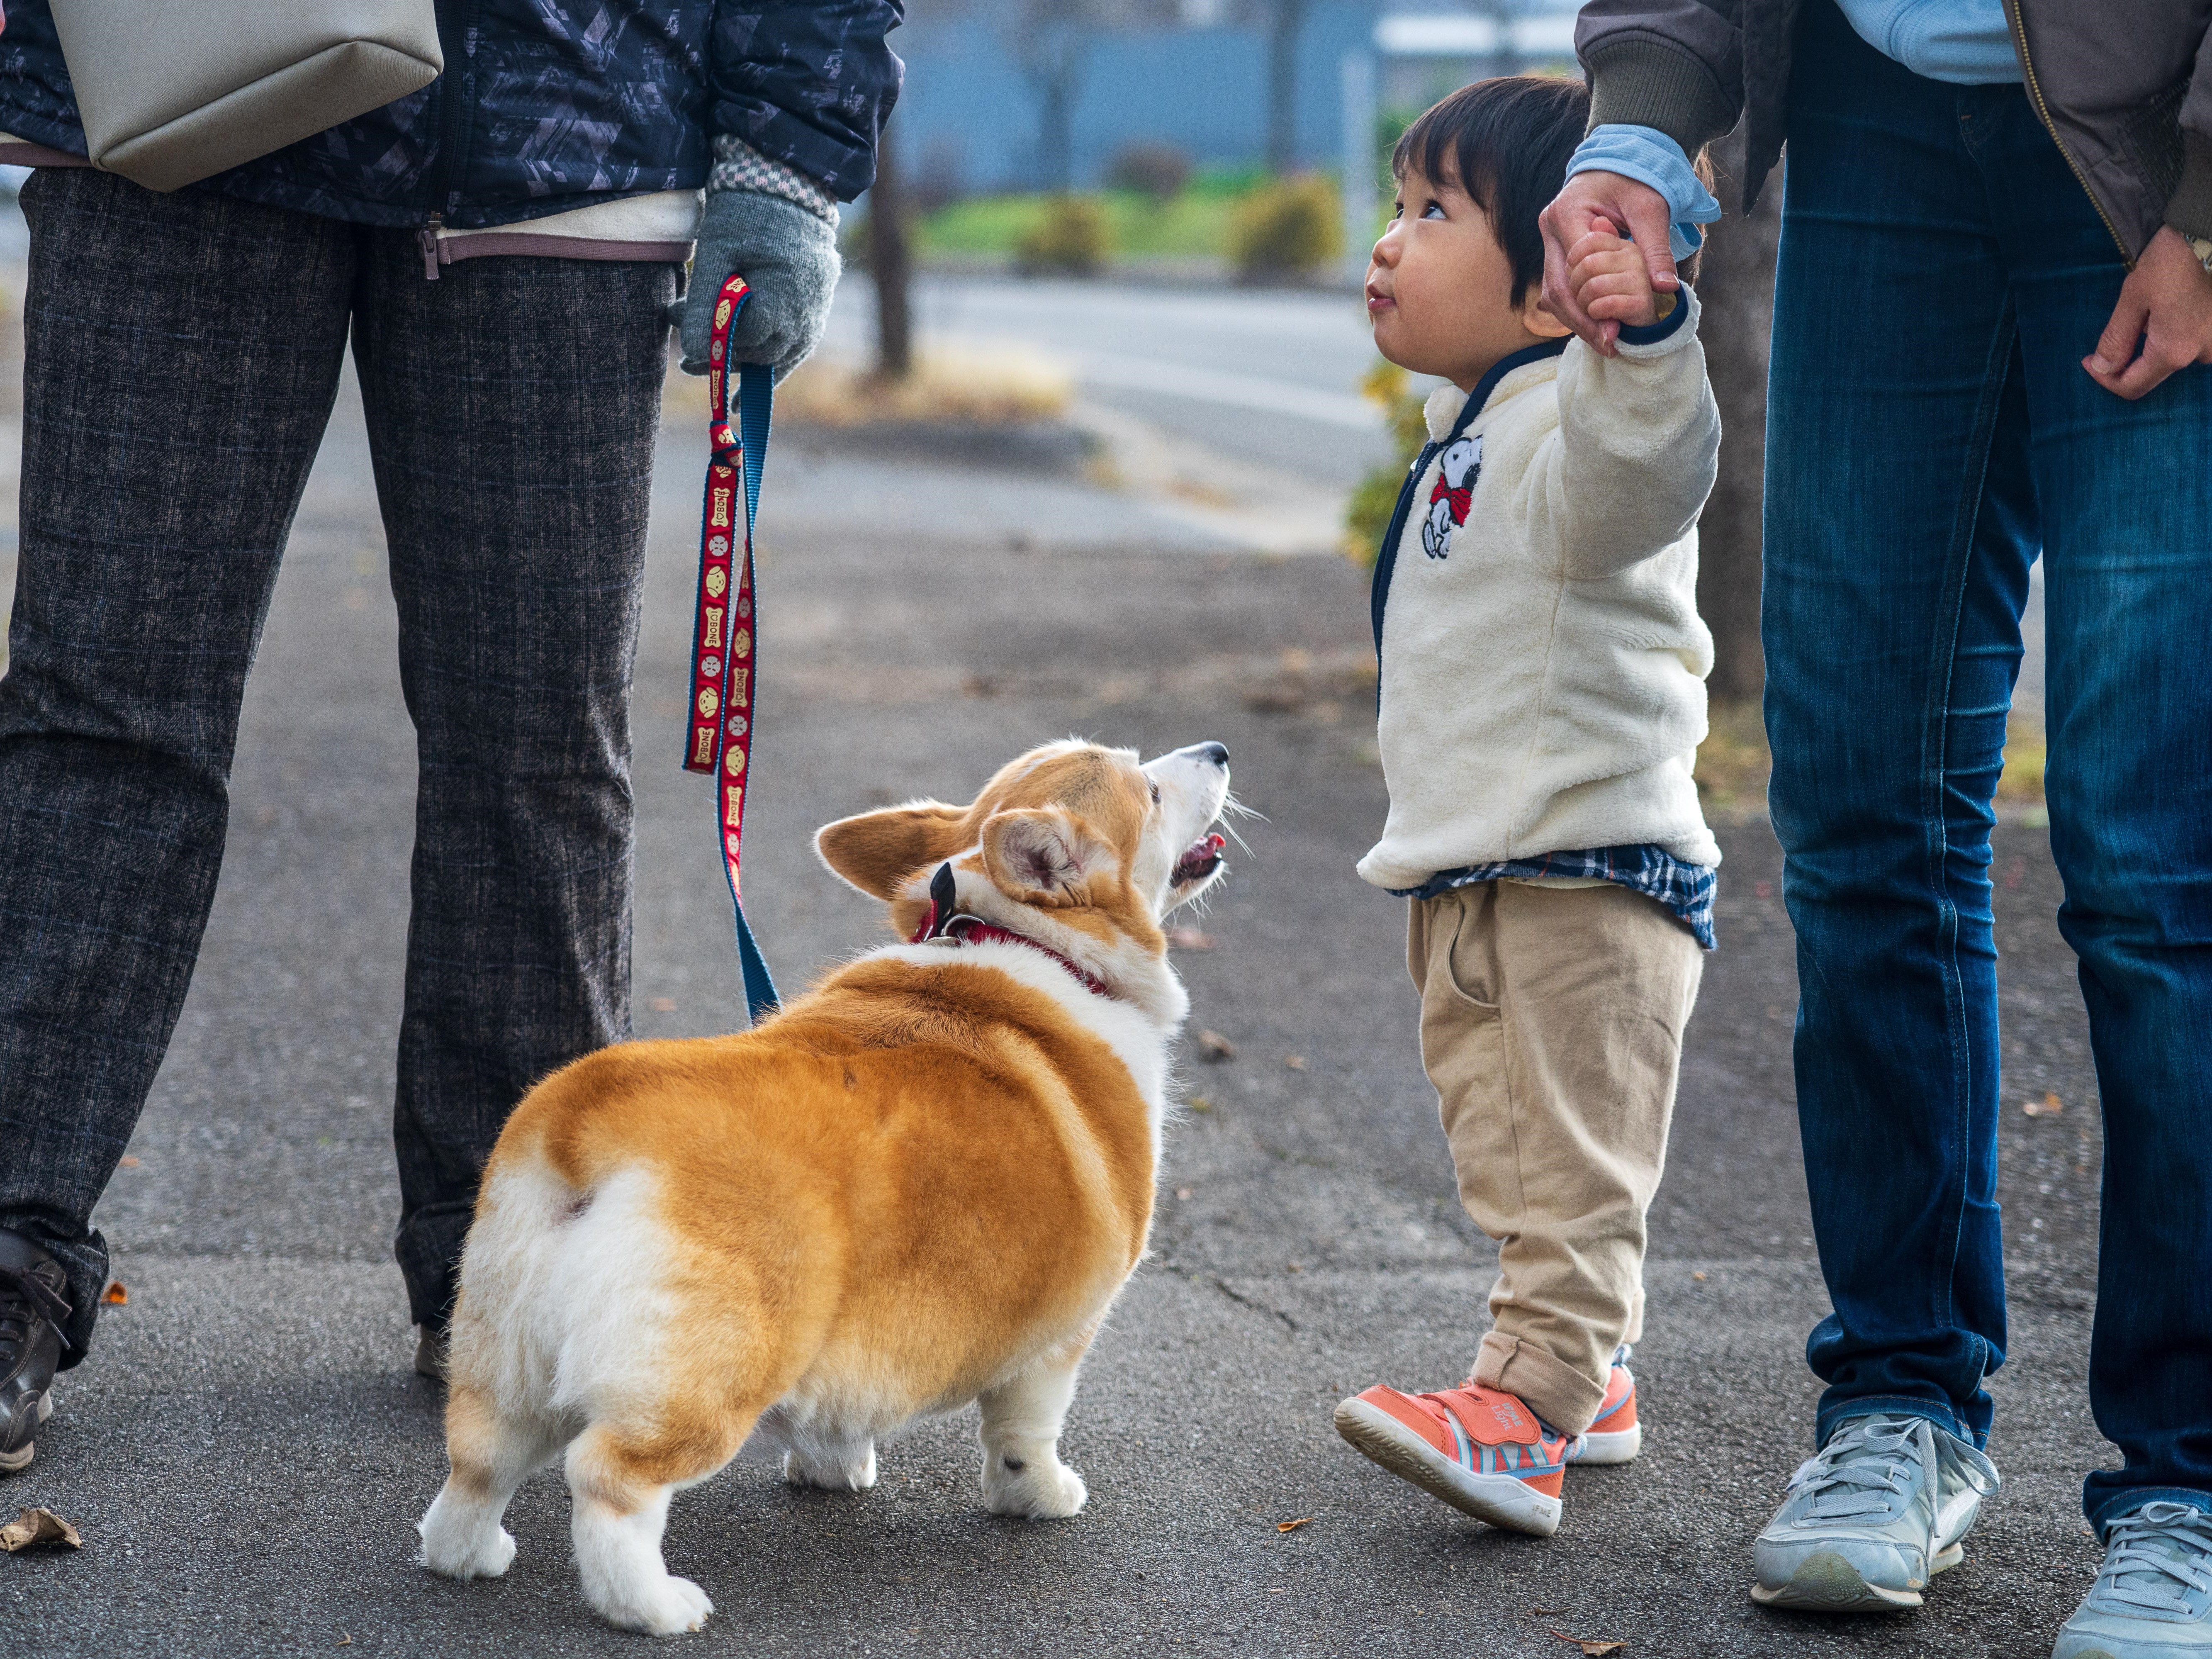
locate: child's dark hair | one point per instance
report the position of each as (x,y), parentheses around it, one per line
(1506,142)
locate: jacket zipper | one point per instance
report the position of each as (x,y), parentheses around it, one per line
(2043,109)
(428,237)
(452,109)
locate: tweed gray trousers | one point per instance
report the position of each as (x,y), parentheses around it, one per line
(182,356)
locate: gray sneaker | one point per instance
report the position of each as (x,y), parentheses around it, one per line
(2152,1600)
(1871,1517)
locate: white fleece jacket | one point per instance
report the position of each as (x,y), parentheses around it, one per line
(1543,662)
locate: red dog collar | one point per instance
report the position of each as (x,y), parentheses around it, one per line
(973,930)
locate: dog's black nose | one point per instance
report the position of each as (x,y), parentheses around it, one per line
(1216,752)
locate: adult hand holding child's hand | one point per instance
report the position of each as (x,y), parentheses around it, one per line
(1609,280)
(1617,200)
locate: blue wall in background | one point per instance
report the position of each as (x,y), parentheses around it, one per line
(966,107)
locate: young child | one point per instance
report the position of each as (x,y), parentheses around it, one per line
(1542,698)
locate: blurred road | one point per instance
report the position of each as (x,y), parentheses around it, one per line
(1268,376)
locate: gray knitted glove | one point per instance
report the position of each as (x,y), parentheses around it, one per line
(782,243)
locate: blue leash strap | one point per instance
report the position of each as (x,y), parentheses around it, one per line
(724,646)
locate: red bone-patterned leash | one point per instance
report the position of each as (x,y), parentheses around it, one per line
(725,627)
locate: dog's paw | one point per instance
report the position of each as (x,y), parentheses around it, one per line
(1035,1489)
(457,1545)
(846,1475)
(668,1606)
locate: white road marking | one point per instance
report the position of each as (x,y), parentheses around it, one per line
(1226,386)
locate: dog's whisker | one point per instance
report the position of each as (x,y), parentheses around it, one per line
(1239,809)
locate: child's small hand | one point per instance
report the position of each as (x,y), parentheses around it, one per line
(1609,280)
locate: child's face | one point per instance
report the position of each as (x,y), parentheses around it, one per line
(1439,288)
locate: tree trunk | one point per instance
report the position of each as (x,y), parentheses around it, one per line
(1056,131)
(1284,26)
(889,258)
(1736,288)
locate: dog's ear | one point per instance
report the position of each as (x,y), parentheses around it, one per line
(1043,855)
(876,852)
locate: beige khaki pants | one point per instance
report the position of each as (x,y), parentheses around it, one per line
(1552,1025)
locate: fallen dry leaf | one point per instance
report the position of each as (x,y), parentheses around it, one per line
(1700,1277)
(38,1527)
(129,1162)
(1296,1062)
(1212,1045)
(1593,1649)
(343,1641)
(2049,1106)
(1293,1526)
(115,1295)
(1190,938)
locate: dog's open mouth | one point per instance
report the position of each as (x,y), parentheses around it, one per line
(1203,859)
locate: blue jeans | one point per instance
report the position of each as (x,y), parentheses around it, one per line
(1930,430)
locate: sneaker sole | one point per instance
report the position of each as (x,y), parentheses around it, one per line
(1619,1447)
(15,1462)
(1827,1583)
(1497,1499)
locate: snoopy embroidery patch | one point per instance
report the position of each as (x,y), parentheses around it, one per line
(1454,491)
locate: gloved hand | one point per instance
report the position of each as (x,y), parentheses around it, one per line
(788,254)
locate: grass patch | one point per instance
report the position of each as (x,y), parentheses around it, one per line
(1197,222)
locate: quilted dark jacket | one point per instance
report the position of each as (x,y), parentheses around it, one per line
(2124,86)
(547,105)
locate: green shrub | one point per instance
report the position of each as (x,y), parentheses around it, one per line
(1285,229)
(1071,239)
(1367,514)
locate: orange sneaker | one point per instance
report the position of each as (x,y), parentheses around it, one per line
(1615,1435)
(1479,1450)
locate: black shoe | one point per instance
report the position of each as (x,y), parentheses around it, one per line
(32,1310)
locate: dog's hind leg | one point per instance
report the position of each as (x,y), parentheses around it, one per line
(834,1461)
(491,1454)
(1022,1471)
(620,1484)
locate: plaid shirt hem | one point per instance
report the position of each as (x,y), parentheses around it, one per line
(1685,889)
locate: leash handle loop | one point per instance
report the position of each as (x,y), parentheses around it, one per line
(726,623)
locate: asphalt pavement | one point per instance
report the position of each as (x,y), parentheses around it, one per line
(247,1449)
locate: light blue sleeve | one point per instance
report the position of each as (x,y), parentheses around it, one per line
(1965,42)
(1650,157)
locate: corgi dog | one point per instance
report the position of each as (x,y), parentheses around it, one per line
(921,1184)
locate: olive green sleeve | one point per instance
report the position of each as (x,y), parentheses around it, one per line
(1676,66)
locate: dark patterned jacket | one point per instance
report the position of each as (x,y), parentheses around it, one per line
(549,105)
